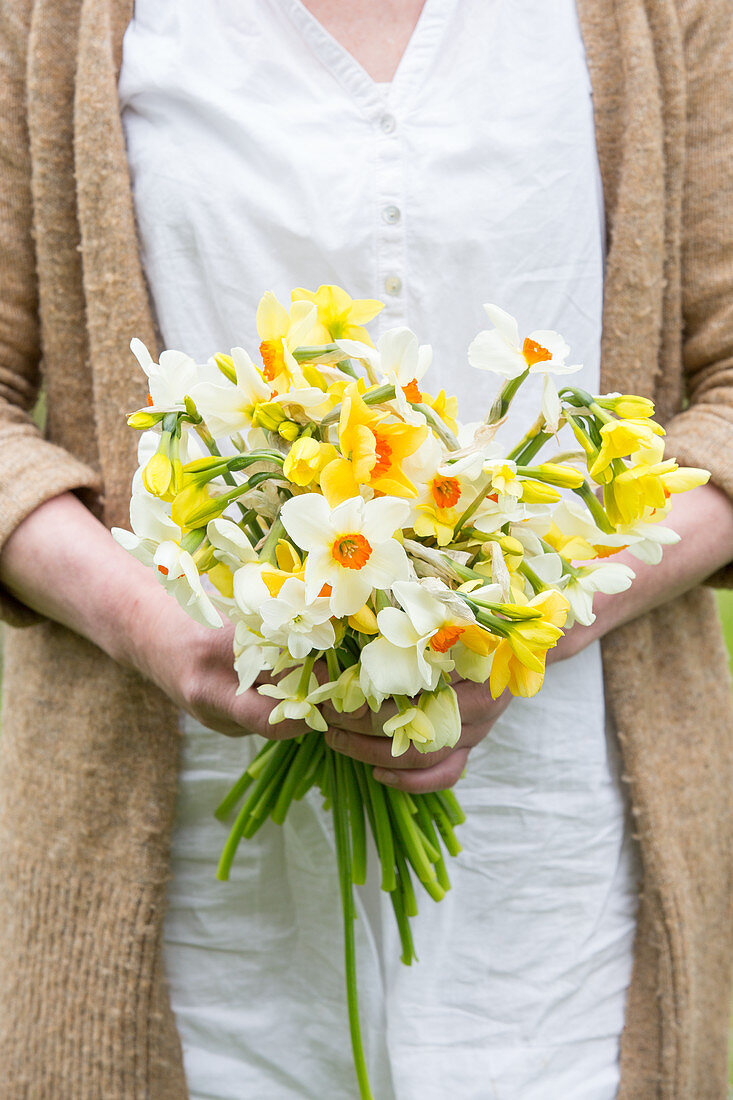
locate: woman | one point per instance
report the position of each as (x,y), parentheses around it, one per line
(86,839)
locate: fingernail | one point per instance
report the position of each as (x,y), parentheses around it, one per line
(334,738)
(382,775)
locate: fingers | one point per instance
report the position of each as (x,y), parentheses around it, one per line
(435,778)
(217,706)
(476,704)
(378,750)
(363,720)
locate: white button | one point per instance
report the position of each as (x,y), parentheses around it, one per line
(393,284)
(391,214)
(388,123)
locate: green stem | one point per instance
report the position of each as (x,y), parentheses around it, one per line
(341,828)
(452,807)
(425,820)
(412,841)
(382,830)
(299,767)
(227,804)
(534,580)
(403,927)
(475,503)
(505,398)
(276,532)
(356,820)
(442,430)
(310,777)
(595,507)
(242,819)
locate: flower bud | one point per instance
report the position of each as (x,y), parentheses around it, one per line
(158,474)
(268,415)
(627,405)
(192,410)
(565,476)
(144,419)
(194,507)
(306,459)
(225,363)
(289,430)
(537,492)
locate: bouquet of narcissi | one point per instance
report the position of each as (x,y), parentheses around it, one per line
(370,550)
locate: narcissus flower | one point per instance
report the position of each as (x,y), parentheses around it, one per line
(498,349)
(421,641)
(339,316)
(397,358)
(640,490)
(519,660)
(156,542)
(306,459)
(291,621)
(294,701)
(350,548)
(281,333)
(620,438)
(169,380)
(374,452)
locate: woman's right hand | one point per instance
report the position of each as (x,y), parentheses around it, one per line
(194,666)
(64,564)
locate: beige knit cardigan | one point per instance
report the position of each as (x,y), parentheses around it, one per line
(88,755)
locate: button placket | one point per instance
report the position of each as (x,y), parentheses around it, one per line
(390,222)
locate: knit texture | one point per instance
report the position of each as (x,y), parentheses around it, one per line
(89,752)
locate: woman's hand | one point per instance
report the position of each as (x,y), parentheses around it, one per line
(193,665)
(360,735)
(65,564)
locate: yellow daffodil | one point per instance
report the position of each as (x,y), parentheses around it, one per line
(281,333)
(620,438)
(339,316)
(641,490)
(519,660)
(444,407)
(306,460)
(373,452)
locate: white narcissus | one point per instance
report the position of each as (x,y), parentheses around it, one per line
(231,546)
(227,407)
(351,547)
(171,379)
(397,358)
(418,644)
(498,349)
(250,592)
(412,726)
(581,585)
(294,702)
(252,655)
(344,694)
(441,708)
(400,661)
(291,621)
(154,541)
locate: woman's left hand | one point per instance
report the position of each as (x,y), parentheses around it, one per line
(360,735)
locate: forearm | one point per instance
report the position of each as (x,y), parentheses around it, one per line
(703,518)
(62,562)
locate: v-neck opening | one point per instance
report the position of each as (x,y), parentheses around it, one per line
(348,70)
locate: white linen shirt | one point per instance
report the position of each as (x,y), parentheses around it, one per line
(264,157)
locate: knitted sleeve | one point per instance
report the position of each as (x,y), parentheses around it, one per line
(702,435)
(32,470)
